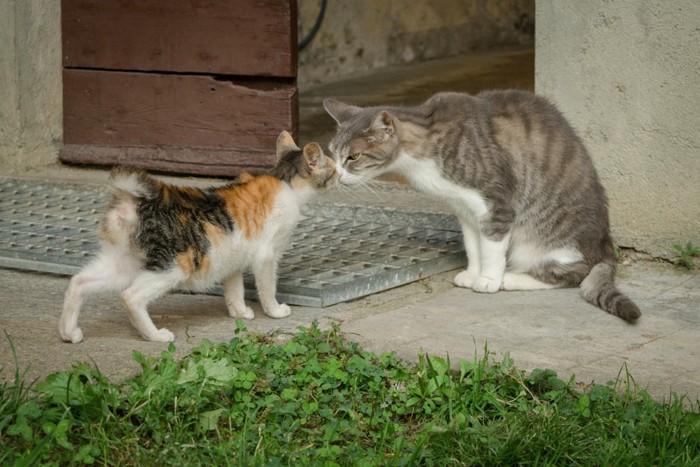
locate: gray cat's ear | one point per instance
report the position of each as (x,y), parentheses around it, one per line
(313,154)
(339,111)
(383,123)
(285,144)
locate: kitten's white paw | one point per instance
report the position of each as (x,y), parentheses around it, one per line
(74,336)
(162,335)
(464,279)
(280,311)
(245,313)
(486,285)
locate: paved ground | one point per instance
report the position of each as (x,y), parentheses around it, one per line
(548,329)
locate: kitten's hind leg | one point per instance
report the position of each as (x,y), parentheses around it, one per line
(265,271)
(147,287)
(103,274)
(80,285)
(234,293)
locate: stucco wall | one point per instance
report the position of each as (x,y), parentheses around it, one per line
(626,73)
(30,83)
(360,35)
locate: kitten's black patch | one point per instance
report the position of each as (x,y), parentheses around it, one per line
(174,221)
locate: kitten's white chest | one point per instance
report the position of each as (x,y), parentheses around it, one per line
(286,212)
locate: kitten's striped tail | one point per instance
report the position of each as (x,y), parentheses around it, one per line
(598,288)
(134,182)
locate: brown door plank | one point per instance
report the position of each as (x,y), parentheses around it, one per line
(197,123)
(216,163)
(231,37)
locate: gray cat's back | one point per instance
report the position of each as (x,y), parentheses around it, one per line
(559,197)
(528,160)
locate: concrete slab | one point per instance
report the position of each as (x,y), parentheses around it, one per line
(549,329)
(556,329)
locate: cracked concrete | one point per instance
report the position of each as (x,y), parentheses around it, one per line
(552,329)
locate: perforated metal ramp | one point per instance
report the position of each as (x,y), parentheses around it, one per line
(337,253)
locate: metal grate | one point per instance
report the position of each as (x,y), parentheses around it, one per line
(337,252)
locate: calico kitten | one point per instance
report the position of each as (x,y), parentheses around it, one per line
(533,212)
(157,237)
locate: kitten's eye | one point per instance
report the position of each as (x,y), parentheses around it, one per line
(354,157)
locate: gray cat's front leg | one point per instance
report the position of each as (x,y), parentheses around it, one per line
(471,237)
(265,272)
(493,265)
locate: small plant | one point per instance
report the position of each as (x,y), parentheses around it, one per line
(318,399)
(686,254)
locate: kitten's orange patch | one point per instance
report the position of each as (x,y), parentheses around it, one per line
(250,203)
(180,193)
(213,233)
(186,262)
(245,177)
(165,192)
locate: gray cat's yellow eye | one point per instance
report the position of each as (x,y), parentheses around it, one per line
(353,157)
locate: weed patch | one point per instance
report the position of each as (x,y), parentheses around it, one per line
(321,400)
(686,255)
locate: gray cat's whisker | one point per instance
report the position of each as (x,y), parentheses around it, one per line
(375,193)
(367,185)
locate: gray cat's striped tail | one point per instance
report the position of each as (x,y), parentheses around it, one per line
(598,288)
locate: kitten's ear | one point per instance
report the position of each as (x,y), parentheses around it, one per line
(383,123)
(339,111)
(313,154)
(285,144)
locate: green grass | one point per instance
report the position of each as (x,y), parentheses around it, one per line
(686,255)
(318,399)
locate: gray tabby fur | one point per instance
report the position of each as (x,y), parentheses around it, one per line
(533,211)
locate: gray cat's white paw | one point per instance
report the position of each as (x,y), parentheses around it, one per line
(162,335)
(464,279)
(246,312)
(486,285)
(280,311)
(74,336)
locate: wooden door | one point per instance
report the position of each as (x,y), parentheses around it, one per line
(190,86)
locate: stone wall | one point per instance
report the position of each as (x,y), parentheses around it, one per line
(357,36)
(626,74)
(31,127)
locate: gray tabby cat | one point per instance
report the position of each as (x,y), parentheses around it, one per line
(532,210)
